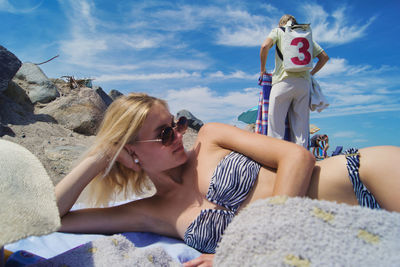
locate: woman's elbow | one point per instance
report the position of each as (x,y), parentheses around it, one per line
(325,57)
(305,157)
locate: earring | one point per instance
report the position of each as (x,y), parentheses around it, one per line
(136,161)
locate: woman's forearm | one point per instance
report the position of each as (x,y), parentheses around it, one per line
(70,187)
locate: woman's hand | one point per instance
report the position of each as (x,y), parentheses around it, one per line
(205,260)
(126,159)
(70,187)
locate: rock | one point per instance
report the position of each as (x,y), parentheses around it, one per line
(106,98)
(52,144)
(193,122)
(38,87)
(19,96)
(115,94)
(12,112)
(9,65)
(80,111)
(62,86)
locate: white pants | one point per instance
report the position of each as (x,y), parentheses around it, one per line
(290,97)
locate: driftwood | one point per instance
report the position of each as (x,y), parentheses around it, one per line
(47,60)
(72,83)
(77,83)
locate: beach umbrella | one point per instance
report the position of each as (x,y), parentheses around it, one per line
(249,116)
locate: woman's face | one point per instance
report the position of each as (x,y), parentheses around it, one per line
(154,156)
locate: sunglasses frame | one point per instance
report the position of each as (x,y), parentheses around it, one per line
(168,133)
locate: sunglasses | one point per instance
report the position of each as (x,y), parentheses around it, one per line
(167,135)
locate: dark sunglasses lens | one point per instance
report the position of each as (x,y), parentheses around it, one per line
(167,136)
(182,124)
(182,121)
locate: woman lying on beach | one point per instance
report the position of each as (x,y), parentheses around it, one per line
(198,192)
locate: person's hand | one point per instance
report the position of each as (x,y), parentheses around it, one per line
(205,260)
(126,159)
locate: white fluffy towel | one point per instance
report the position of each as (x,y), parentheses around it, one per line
(302,232)
(27,200)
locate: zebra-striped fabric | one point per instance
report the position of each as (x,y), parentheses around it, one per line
(364,197)
(231,182)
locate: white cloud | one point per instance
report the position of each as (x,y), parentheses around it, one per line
(349,99)
(242,36)
(81,50)
(234,75)
(334,28)
(341,67)
(20,7)
(209,106)
(353,110)
(153,76)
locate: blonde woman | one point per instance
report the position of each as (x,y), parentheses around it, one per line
(199,191)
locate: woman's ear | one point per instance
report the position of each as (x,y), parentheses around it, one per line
(128,158)
(129,149)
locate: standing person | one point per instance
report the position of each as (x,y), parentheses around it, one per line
(314,143)
(199,192)
(290,90)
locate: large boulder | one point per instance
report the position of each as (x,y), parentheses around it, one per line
(18,94)
(13,113)
(106,98)
(80,111)
(9,65)
(115,94)
(38,87)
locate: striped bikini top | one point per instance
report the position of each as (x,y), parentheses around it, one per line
(230,184)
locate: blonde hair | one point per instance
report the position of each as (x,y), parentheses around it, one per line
(120,126)
(285,18)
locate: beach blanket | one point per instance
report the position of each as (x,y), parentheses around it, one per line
(298,231)
(115,250)
(49,246)
(263,103)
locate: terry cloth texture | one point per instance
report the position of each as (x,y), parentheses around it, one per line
(27,200)
(110,251)
(298,232)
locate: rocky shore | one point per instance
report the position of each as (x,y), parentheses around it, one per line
(54,118)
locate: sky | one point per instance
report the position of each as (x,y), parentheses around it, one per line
(203,56)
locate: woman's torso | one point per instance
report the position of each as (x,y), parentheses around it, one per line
(191,200)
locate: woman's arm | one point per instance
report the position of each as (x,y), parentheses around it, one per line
(139,215)
(70,187)
(322,59)
(265,47)
(294,163)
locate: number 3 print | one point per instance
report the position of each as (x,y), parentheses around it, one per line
(303,50)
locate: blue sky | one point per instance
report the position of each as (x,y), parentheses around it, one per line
(204,55)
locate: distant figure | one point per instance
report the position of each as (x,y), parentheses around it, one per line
(290,89)
(320,142)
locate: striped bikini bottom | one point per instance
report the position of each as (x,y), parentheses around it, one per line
(364,197)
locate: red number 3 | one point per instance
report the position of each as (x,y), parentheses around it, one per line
(303,50)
